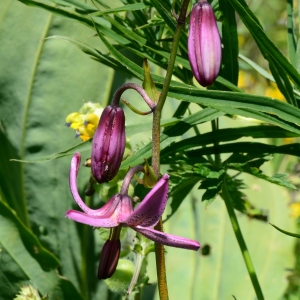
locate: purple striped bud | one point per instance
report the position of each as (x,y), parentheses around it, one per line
(204,44)
(109,259)
(108,144)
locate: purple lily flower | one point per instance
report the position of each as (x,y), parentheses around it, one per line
(108,144)
(204,44)
(119,211)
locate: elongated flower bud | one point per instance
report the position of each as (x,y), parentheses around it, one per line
(204,44)
(109,259)
(108,144)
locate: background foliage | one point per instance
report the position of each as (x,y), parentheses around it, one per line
(43,80)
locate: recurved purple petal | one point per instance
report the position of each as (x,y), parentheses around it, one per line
(107,216)
(73,185)
(95,221)
(152,207)
(108,144)
(106,210)
(167,239)
(204,44)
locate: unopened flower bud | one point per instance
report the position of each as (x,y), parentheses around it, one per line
(204,44)
(109,259)
(108,144)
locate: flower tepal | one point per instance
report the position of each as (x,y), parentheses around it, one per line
(108,144)
(204,44)
(118,211)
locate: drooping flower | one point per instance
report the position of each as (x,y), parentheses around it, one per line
(204,44)
(108,144)
(119,211)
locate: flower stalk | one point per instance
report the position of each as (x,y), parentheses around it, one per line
(159,248)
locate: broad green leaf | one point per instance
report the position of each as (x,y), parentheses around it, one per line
(23,259)
(40,86)
(33,246)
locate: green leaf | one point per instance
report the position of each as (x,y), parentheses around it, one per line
(226,135)
(253,169)
(207,273)
(257,67)
(259,107)
(286,232)
(128,7)
(82,147)
(40,86)
(170,135)
(283,82)
(212,183)
(33,246)
(292,45)
(23,259)
(246,147)
(261,38)
(230,69)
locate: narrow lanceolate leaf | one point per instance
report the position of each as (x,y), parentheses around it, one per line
(287,116)
(286,232)
(261,38)
(226,135)
(283,82)
(292,44)
(257,67)
(81,147)
(170,135)
(128,7)
(245,147)
(230,70)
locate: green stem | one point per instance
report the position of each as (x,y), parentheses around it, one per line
(159,249)
(239,236)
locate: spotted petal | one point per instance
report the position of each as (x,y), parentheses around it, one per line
(152,207)
(167,239)
(106,221)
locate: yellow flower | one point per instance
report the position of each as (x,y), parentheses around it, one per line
(295,210)
(85,121)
